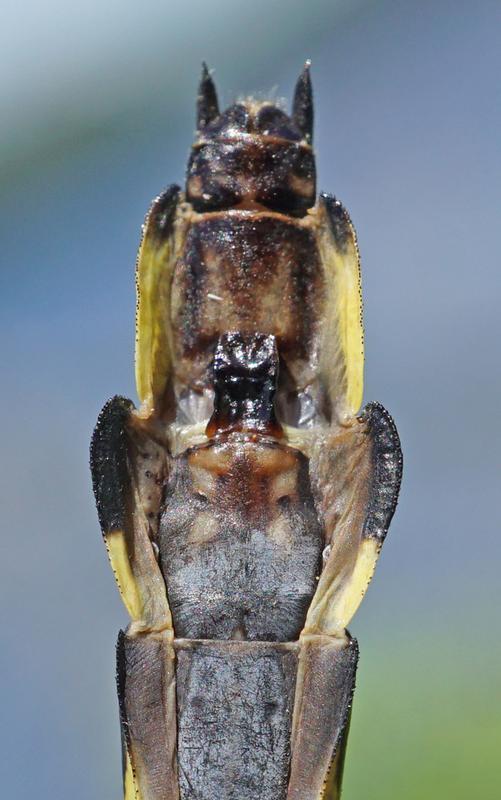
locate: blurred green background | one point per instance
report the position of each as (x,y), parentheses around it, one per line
(98,115)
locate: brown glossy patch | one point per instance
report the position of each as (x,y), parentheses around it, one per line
(239,475)
(249,273)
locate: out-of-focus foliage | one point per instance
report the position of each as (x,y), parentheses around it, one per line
(426,718)
(98,114)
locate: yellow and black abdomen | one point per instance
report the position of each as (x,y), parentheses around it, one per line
(245,502)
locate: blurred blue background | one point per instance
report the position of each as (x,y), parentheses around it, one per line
(98,115)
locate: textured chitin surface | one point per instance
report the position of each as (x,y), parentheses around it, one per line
(240,542)
(324,691)
(146,684)
(246,271)
(234,710)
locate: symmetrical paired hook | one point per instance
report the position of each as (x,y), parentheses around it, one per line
(302,104)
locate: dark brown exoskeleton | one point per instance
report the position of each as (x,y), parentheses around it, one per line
(245,502)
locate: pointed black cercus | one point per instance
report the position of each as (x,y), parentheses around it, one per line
(207,104)
(302,104)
